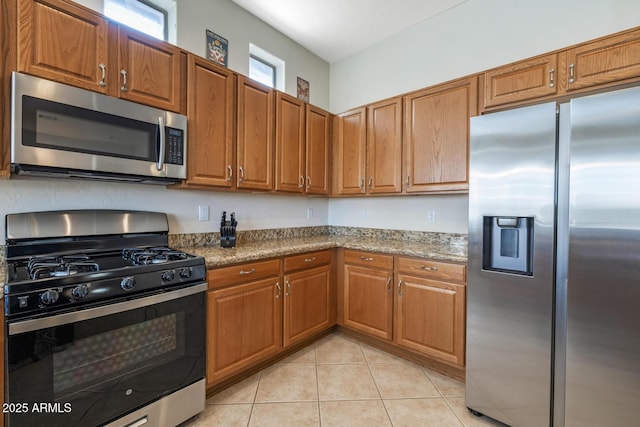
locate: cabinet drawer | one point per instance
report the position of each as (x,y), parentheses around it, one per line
(308,260)
(242,273)
(433,269)
(368,259)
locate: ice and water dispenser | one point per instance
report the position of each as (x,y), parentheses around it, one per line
(508,244)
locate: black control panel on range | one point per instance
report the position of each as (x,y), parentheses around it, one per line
(59,296)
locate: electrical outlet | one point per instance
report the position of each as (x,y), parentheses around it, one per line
(431,216)
(309,212)
(203,213)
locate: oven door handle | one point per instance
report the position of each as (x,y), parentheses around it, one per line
(30,325)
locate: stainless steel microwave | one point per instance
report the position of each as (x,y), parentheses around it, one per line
(63,131)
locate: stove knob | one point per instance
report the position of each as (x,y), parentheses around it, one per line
(128,283)
(80,291)
(168,275)
(185,273)
(49,297)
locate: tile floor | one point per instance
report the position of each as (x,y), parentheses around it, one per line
(339,381)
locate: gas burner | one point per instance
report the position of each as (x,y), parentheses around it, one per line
(157,255)
(61,266)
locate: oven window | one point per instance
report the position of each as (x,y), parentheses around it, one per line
(123,350)
(64,127)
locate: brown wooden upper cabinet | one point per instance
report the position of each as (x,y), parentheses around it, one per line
(436,136)
(608,60)
(368,153)
(349,155)
(302,147)
(255,121)
(533,78)
(211,119)
(317,151)
(384,147)
(290,144)
(70,44)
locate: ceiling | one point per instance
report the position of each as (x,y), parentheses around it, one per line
(335,29)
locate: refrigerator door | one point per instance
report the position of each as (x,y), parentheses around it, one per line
(510,313)
(603,294)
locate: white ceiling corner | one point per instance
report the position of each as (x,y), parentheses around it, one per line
(335,29)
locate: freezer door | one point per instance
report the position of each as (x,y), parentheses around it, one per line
(603,293)
(510,313)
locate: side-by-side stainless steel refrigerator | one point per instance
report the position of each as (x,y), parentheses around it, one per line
(553,296)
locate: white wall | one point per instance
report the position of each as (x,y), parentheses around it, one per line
(474,36)
(253,211)
(402,212)
(240,28)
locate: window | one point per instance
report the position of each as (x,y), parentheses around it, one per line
(142,15)
(266,68)
(262,71)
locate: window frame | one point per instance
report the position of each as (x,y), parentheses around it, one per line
(161,10)
(268,64)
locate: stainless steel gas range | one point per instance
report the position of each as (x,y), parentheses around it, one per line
(105,324)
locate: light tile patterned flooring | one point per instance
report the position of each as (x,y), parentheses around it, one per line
(339,381)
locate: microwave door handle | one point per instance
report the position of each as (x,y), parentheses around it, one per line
(161,153)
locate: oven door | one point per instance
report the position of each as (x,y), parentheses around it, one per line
(92,366)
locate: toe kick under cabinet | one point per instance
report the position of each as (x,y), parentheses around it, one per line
(414,304)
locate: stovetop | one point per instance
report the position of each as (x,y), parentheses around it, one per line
(68,260)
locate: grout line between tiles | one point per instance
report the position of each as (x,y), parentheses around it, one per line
(386,411)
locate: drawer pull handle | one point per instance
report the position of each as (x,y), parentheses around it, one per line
(230,176)
(424,267)
(366,259)
(103,70)
(288,291)
(244,273)
(241,177)
(551,77)
(400,288)
(571,76)
(389,287)
(301,183)
(308,182)
(124,80)
(310,259)
(277,290)
(408,181)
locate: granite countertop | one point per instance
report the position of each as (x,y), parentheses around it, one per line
(263,244)
(216,256)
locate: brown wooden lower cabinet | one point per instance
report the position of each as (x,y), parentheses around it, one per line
(368,295)
(307,309)
(430,318)
(244,326)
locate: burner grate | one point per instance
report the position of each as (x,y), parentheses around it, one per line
(156,255)
(60,266)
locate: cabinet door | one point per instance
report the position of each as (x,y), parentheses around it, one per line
(244,326)
(307,304)
(63,42)
(317,151)
(533,78)
(150,71)
(350,154)
(210,113)
(384,147)
(290,136)
(368,301)
(614,59)
(436,137)
(255,135)
(430,318)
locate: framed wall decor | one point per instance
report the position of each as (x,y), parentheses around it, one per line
(303,89)
(217,48)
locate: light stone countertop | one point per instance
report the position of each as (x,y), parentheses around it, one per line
(216,256)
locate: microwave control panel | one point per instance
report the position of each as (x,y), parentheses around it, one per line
(175,146)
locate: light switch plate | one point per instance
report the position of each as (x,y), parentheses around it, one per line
(203,213)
